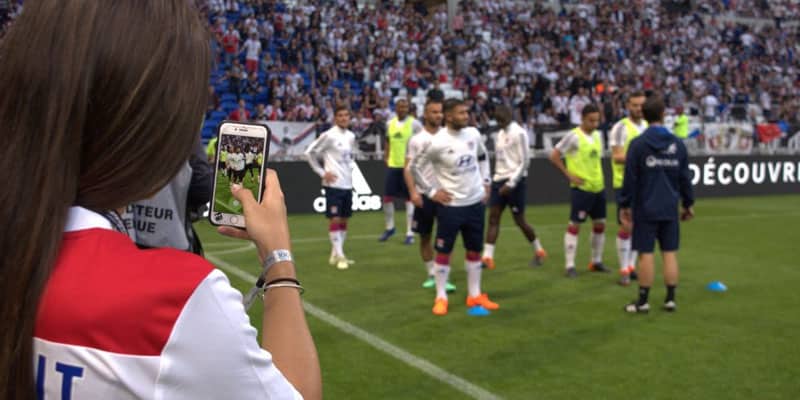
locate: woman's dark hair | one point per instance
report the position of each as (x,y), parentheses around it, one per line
(102,102)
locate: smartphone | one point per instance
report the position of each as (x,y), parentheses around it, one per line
(241,157)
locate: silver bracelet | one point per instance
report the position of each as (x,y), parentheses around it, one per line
(275,257)
(284,285)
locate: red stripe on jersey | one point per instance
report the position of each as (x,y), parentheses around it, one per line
(105,293)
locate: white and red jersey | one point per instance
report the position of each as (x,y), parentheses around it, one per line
(336,147)
(116,322)
(460,165)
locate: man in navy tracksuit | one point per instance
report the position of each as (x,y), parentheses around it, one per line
(656,177)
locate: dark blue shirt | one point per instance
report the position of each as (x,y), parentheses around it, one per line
(657,176)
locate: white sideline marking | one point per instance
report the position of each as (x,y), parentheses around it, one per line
(230,243)
(242,249)
(421,364)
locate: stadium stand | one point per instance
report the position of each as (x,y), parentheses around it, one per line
(721,61)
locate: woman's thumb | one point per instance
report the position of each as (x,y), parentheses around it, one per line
(243,195)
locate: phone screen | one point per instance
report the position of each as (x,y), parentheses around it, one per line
(242,151)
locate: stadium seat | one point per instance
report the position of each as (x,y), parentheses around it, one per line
(229,106)
(218,115)
(208,133)
(227,97)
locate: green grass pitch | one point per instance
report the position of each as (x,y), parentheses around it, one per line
(224,201)
(555,338)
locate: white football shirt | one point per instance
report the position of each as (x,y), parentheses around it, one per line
(336,147)
(460,165)
(416,145)
(511,154)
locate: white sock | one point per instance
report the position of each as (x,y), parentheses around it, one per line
(409,218)
(431,267)
(570,248)
(488,250)
(342,238)
(473,277)
(598,242)
(388,215)
(442,275)
(537,245)
(623,252)
(634,255)
(336,243)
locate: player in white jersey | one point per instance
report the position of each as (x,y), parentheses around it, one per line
(623,132)
(336,147)
(460,164)
(508,186)
(249,159)
(237,163)
(424,208)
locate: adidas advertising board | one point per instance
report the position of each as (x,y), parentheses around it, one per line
(363,199)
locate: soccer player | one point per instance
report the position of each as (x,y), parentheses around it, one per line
(398,132)
(249,158)
(236,161)
(223,156)
(657,177)
(336,147)
(211,149)
(582,149)
(623,132)
(508,186)
(460,165)
(424,207)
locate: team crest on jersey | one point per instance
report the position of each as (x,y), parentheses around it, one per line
(672,149)
(471,145)
(398,135)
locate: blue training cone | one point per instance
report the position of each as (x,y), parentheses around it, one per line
(717,286)
(478,311)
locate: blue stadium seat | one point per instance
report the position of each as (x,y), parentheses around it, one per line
(208,133)
(218,115)
(229,106)
(261,98)
(226,97)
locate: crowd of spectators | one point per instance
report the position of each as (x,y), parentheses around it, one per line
(294,62)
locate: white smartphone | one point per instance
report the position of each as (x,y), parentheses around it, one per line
(241,157)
